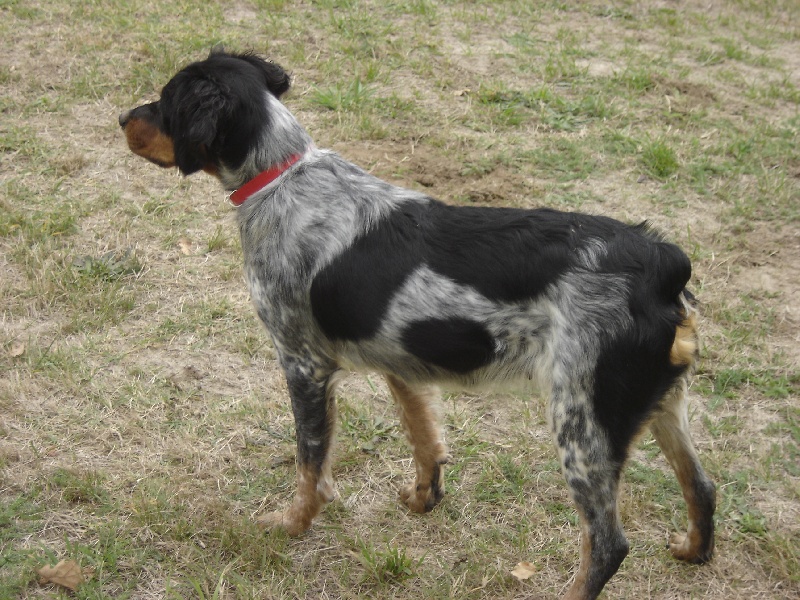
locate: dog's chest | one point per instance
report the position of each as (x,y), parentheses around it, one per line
(283,251)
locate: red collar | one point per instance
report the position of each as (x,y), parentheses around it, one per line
(262,180)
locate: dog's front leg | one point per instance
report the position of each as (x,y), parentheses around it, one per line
(314,407)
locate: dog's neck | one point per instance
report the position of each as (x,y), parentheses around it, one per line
(262,180)
(282,137)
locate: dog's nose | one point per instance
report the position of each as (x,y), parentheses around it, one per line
(124,117)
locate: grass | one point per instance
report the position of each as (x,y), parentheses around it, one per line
(659,159)
(144,422)
(387,565)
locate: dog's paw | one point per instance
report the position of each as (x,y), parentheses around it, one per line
(683,547)
(283,521)
(419,499)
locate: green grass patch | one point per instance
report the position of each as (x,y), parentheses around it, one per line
(659,159)
(387,565)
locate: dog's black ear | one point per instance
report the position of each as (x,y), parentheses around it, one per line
(277,80)
(196,117)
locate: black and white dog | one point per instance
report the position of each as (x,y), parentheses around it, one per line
(349,272)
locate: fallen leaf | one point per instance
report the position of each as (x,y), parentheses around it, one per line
(185,244)
(524,570)
(17,349)
(464,92)
(67,573)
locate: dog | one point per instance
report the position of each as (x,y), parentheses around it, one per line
(348,272)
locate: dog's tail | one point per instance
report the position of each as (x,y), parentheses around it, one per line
(672,269)
(686,347)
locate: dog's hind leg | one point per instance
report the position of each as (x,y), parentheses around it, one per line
(592,475)
(419,414)
(314,406)
(671,430)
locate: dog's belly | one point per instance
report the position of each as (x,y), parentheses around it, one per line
(435,329)
(504,368)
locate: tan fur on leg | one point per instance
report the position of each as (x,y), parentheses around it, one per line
(312,494)
(577,590)
(671,430)
(420,418)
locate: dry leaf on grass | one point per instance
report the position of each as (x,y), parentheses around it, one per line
(524,570)
(67,573)
(185,244)
(17,349)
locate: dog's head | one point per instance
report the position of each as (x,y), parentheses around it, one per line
(208,114)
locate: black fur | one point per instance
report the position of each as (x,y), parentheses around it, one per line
(508,255)
(455,344)
(203,109)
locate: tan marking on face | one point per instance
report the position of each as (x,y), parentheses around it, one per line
(212,169)
(684,348)
(148,141)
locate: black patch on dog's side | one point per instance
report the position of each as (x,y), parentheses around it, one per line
(350,295)
(508,255)
(455,344)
